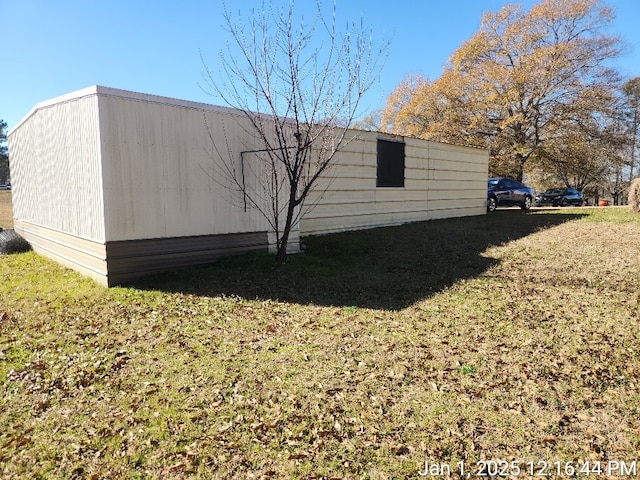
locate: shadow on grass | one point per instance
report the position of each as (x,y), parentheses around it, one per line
(386,268)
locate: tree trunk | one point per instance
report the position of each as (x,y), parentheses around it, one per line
(520,161)
(281,253)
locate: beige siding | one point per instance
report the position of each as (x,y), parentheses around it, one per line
(161,174)
(440,181)
(55,168)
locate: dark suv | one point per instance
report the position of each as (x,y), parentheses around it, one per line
(560,197)
(506,192)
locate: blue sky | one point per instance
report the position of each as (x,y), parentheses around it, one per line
(50,48)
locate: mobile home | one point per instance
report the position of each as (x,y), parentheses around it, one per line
(118,184)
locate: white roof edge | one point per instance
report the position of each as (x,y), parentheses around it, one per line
(147,97)
(52,101)
(115,92)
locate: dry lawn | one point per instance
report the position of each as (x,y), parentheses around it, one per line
(6,215)
(512,337)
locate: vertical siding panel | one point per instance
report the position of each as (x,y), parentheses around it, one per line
(55,161)
(160,179)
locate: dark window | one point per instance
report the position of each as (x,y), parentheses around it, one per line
(390,171)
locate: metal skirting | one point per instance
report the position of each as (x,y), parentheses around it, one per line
(130,259)
(85,256)
(117,262)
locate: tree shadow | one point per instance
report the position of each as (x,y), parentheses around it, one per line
(384,268)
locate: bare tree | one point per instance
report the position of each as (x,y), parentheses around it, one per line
(299,86)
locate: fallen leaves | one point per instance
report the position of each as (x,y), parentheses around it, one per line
(118,382)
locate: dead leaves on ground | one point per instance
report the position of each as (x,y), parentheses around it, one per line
(525,361)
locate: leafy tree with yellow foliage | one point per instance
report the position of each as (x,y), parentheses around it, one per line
(518,83)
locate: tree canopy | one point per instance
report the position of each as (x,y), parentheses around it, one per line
(524,80)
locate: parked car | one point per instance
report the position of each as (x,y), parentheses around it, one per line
(560,197)
(506,192)
(5,187)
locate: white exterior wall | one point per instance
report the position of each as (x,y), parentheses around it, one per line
(125,166)
(56,167)
(441,181)
(160,179)
(118,184)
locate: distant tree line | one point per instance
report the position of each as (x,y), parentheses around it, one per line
(4,155)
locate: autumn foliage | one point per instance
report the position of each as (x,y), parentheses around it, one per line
(517,84)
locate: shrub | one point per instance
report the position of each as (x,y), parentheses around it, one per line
(11,242)
(634,196)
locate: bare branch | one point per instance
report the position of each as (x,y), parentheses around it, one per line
(298,85)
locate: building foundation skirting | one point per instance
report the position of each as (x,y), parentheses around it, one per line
(85,256)
(116,262)
(130,259)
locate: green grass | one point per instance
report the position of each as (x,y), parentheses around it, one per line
(509,336)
